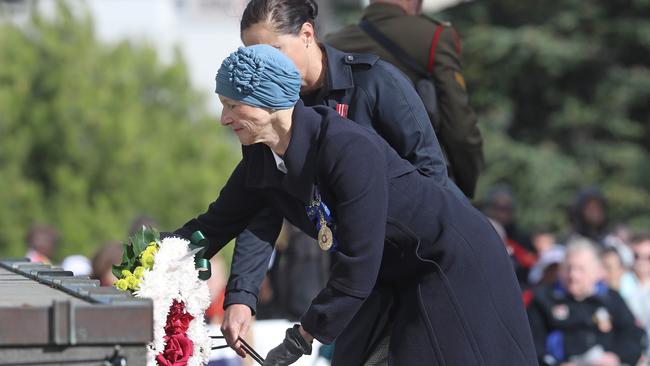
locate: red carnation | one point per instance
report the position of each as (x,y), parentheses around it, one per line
(178,350)
(178,347)
(178,320)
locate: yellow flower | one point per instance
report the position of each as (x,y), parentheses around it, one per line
(122,284)
(133,282)
(151,249)
(147,255)
(139,272)
(126,273)
(147,260)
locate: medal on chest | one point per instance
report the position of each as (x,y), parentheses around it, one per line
(320,214)
(325,237)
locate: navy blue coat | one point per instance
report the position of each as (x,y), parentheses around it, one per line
(379,96)
(456,299)
(374,94)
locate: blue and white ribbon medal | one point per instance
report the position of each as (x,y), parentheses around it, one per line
(318,212)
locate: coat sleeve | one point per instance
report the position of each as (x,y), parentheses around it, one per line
(253,249)
(356,175)
(458,132)
(403,122)
(228,215)
(629,337)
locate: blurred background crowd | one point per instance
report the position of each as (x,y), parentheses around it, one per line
(107,112)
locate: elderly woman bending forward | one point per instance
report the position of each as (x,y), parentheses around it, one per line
(419,276)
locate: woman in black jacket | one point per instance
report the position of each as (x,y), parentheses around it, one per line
(456,299)
(360,87)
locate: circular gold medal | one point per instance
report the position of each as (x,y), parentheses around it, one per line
(325,238)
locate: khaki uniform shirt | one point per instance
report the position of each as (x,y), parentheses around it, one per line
(458,132)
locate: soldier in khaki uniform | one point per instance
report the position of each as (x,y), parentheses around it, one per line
(435,46)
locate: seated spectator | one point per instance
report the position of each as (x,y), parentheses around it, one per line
(589,216)
(105,257)
(619,238)
(41,241)
(545,271)
(616,274)
(578,320)
(499,207)
(543,240)
(550,254)
(640,299)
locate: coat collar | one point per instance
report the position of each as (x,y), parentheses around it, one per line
(300,158)
(339,73)
(261,169)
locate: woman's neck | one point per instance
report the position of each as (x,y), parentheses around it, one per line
(316,70)
(280,136)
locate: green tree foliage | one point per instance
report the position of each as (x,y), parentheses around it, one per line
(562,90)
(92,135)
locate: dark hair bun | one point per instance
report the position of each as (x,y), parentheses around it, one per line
(286,16)
(313,8)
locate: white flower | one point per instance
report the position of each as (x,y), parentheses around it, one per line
(173,278)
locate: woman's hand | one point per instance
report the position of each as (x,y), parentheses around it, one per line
(236,320)
(291,349)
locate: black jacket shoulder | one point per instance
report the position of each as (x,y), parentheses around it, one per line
(360,59)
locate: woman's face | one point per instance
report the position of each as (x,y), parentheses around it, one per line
(614,269)
(250,124)
(295,47)
(642,259)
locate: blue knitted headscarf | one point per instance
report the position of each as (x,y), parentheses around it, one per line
(260,76)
